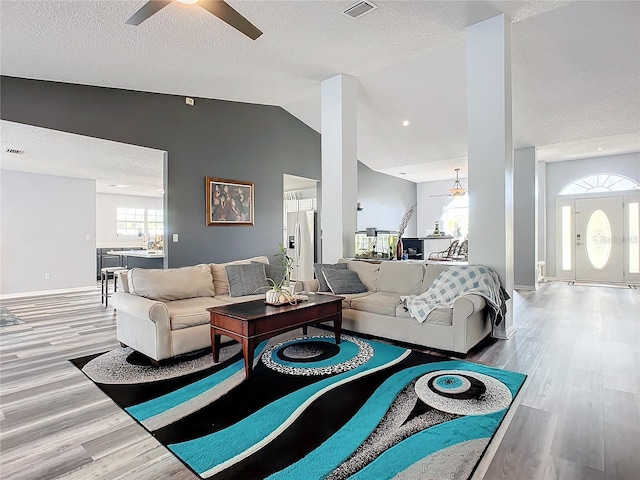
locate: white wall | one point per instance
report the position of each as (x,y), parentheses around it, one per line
(44,225)
(560,174)
(431,208)
(106,224)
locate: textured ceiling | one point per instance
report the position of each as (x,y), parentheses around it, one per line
(137,170)
(575,67)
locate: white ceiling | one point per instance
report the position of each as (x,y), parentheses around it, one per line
(575,67)
(135,170)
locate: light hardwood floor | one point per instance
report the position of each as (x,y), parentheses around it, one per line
(579,416)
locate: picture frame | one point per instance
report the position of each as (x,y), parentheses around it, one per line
(229,202)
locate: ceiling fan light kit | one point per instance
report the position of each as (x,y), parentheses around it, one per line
(219,8)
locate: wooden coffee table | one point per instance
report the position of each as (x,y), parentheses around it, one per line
(252,322)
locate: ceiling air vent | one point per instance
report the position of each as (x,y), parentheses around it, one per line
(359,9)
(14,151)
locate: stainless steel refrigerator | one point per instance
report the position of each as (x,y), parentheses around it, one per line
(301,243)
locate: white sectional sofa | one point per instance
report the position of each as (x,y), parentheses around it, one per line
(162,313)
(380,312)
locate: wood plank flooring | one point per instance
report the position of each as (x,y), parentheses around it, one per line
(579,416)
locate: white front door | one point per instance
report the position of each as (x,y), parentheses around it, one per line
(599,239)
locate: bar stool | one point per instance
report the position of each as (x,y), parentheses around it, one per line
(104,282)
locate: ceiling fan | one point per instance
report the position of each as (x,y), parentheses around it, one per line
(219,8)
(456,191)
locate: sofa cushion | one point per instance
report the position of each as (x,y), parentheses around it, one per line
(439,316)
(343,281)
(382,303)
(220,280)
(431,271)
(169,284)
(191,311)
(400,277)
(317,269)
(367,272)
(246,279)
(346,302)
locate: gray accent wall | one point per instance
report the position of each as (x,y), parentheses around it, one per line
(560,174)
(254,143)
(525,218)
(384,200)
(239,141)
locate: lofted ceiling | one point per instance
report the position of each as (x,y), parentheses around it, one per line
(575,67)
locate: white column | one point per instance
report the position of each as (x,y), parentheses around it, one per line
(525,209)
(339,167)
(491,153)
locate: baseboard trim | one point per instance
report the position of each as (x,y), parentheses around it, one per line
(39,293)
(525,287)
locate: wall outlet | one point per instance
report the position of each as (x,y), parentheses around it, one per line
(175,237)
(87,237)
(47,276)
(189,101)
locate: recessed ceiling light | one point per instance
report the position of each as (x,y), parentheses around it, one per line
(406,123)
(188,1)
(599,149)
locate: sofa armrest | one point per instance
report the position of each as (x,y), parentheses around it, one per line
(306,286)
(141,307)
(143,325)
(469,304)
(469,323)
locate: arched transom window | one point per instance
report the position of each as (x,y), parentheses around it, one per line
(602,182)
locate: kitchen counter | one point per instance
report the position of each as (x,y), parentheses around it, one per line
(140,258)
(138,253)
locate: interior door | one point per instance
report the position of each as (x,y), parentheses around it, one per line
(599,234)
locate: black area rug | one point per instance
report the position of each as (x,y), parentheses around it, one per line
(314,410)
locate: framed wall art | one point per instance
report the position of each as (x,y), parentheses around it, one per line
(229,202)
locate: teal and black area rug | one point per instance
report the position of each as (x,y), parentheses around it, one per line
(315,410)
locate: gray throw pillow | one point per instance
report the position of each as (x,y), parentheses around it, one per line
(343,281)
(317,269)
(246,279)
(274,272)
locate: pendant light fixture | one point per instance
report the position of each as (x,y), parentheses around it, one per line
(457,190)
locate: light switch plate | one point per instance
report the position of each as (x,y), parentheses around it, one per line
(175,237)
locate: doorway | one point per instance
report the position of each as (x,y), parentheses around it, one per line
(599,239)
(300,224)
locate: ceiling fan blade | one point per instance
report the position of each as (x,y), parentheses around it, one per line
(147,10)
(227,13)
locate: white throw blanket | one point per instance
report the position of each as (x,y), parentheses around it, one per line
(454,282)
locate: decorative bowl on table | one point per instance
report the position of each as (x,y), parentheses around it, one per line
(274,297)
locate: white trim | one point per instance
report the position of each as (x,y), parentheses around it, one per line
(47,292)
(525,287)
